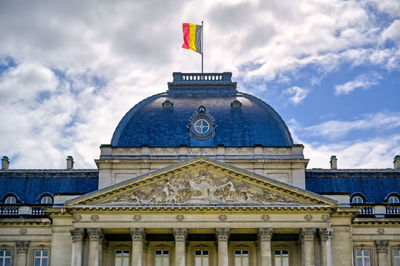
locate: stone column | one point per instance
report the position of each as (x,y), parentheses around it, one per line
(77,237)
(95,235)
(382,247)
(308,246)
(180,235)
(265,236)
(137,235)
(326,251)
(222,238)
(22,251)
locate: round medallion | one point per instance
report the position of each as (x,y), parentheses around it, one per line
(201,124)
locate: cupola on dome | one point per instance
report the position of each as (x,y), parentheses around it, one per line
(202,110)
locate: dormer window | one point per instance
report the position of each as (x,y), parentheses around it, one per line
(357,200)
(10,200)
(393,200)
(46,200)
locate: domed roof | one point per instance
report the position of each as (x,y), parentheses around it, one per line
(202,110)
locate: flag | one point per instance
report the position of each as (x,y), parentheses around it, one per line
(192,37)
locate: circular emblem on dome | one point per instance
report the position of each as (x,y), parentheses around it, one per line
(201,124)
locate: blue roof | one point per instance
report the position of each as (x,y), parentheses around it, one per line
(374,184)
(149,124)
(29,185)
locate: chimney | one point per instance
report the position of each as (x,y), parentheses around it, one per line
(5,163)
(396,162)
(333,162)
(70,163)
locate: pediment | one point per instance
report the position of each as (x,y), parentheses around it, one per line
(201,181)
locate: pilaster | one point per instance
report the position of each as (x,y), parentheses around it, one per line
(77,238)
(326,250)
(22,248)
(382,247)
(95,236)
(138,236)
(222,238)
(265,236)
(180,235)
(308,246)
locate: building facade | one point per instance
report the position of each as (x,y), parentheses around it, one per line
(200,175)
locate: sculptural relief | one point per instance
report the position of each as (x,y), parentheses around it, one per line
(201,186)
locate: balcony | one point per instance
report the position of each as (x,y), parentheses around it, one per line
(16,211)
(378,210)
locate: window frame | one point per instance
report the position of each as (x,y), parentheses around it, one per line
(201,249)
(122,249)
(364,247)
(46,197)
(393,197)
(357,197)
(7,198)
(4,257)
(41,250)
(393,256)
(241,250)
(281,255)
(162,249)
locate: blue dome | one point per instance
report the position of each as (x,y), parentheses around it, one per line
(202,110)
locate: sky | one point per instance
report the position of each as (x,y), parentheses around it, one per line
(70,70)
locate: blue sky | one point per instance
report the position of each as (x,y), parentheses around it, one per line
(70,71)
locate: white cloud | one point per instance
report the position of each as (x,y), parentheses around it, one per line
(363,81)
(392,32)
(296,94)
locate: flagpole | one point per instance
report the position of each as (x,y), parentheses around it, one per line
(202,47)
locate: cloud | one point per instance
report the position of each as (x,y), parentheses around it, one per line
(363,81)
(296,94)
(392,32)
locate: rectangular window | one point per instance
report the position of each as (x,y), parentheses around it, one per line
(162,257)
(201,258)
(41,258)
(363,257)
(122,257)
(241,257)
(396,257)
(281,257)
(5,257)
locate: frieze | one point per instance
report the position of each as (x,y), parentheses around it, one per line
(201,186)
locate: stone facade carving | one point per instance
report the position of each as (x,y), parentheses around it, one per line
(325,233)
(382,246)
(308,234)
(22,246)
(265,234)
(137,234)
(95,234)
(201,186)
(77,234)
(222,234)
(180,234)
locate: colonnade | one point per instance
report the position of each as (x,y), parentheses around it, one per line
(180,235)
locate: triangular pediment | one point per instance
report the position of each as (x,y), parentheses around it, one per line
(202,181)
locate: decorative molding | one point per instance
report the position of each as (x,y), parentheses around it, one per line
(380,231)
(138,234)
(22,246)
(308,234)
(325,218)
(265,234)
(265,217)
(382,246)
(325,233)
(77,234)
(77,217)
(23,231)
(180,217)
(201,186)
(180,234)
(222,217)
(222,234)
(94,217)
(308,217)
(137,217)
(95,234)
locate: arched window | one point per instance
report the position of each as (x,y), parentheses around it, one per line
(10,200)
(357,200)
(393,200)
(46,200)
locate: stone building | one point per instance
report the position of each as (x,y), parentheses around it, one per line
(200,175)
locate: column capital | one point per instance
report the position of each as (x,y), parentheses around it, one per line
(325,233)
(77,234)
(180,234)
(95,234)
(137,234)
(308,233)
(382,246)
(22,246)
(223,234)
(265,234)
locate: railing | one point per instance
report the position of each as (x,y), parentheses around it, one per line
(378,210)
(200,77)
(367,210)
(37,211)
(8,211)
(393,210)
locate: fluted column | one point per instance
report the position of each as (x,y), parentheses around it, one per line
(222,238)
(308,246)
(137,235)
(326,251)
(22,251)
(95,235)
(382,247)
(265,236)
(77,237)
(180,235)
